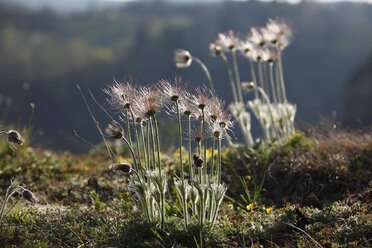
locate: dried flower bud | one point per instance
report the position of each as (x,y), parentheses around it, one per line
(215,49)
(217,134)
(124,167)
(139,120)
(114,131)
(182,58)
(198,162)
(15,138)
(29,196)
(248,86)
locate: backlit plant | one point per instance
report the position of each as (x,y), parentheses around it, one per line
(263,47)
(199,184)
(12,189)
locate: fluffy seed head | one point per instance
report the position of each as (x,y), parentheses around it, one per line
(148,102)
(256,37)
(227,42)
(202,97)
(225,121)
(187,105)
(172,92)
(121,94)
(278,31)
(246,47)
(182,58)
(260,54)
(216,130)
(197,134)
(214,108)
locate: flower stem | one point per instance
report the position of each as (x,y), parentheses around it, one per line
(148,144)
(199,148)
(7,196)
(180,140)
(131,152)
(277,80)
(161,186)
(260,73)
(253,77)
(10,209)
(9,192)
(128,128)
(152,143)
(212,159)
(280,65)
(266,83)
(189,144)
(272,83)
(144,147)
(204,142)
(237,77)
(157,143)
(219,160)
(207,74)
(230,77)
(137,140)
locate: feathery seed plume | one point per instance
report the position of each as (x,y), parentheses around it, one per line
(227,42)
(121,95)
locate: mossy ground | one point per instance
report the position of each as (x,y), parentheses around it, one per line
(314,191)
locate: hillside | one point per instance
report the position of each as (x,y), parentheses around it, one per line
(44,54)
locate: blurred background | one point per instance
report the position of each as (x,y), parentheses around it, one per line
(47,47)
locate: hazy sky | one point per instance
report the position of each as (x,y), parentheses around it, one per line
(291,1)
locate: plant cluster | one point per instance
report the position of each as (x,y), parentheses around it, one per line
(199,185)
(12,189)
(263,48)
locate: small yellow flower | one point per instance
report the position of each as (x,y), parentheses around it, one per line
(252,206)
(269,210)
(231,206)
(177,152)
(209,153)
(248,178)
(120,159)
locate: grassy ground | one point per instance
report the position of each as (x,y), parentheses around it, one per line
(312,191)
